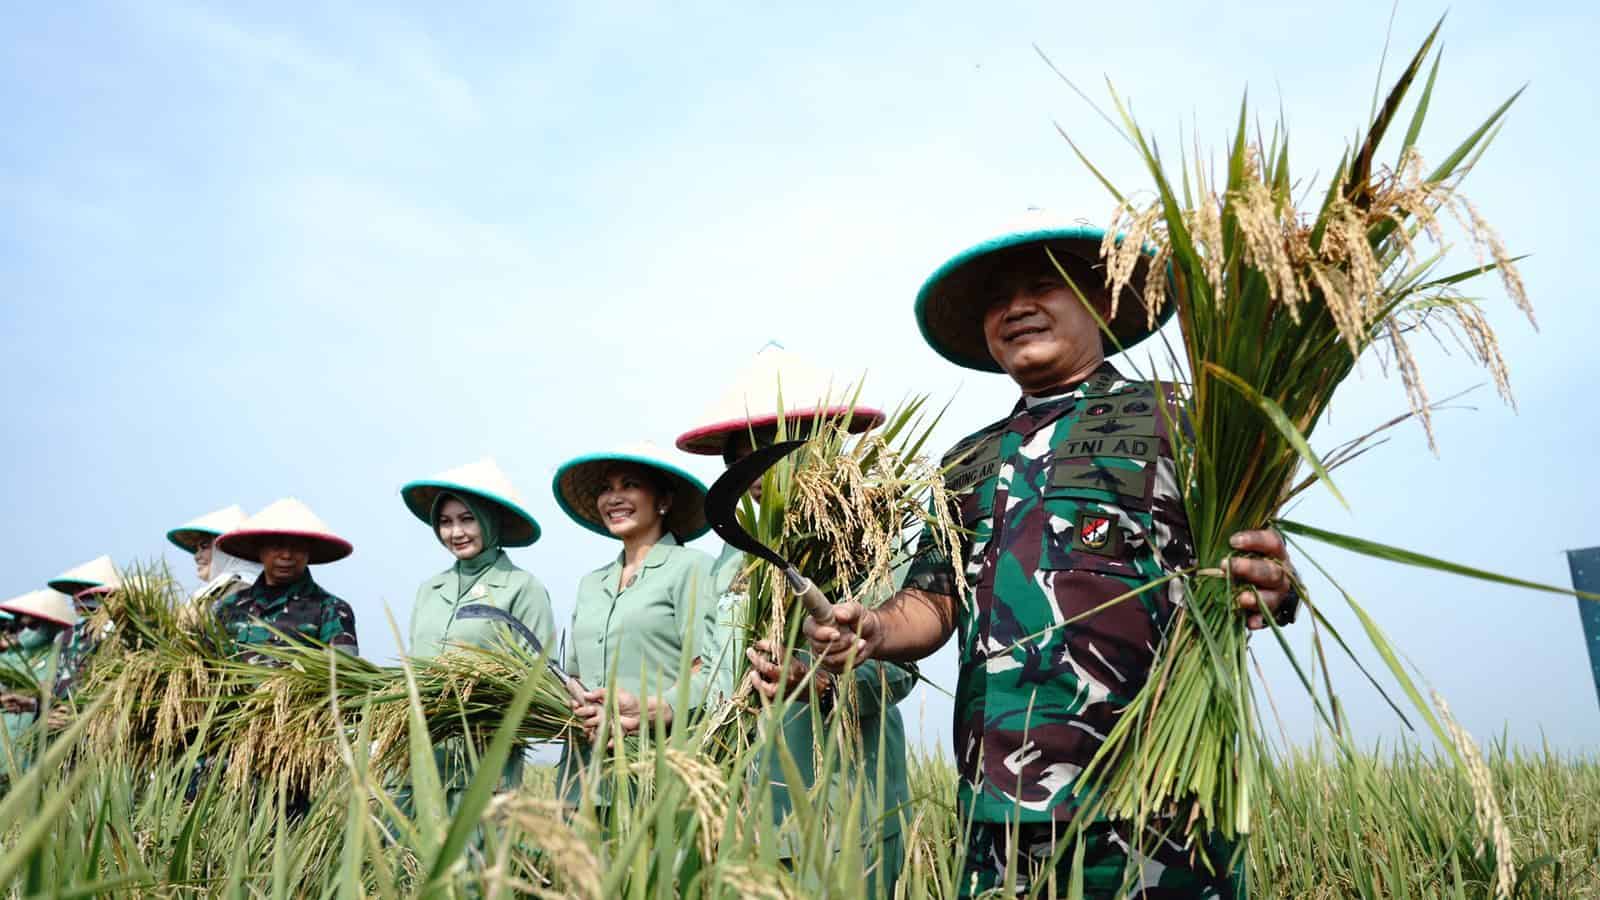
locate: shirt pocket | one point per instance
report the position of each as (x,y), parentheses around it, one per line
(1096,516)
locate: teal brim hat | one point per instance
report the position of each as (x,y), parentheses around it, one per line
(579,482)
(209,527)
(96,573)
(951,303)
(483,480)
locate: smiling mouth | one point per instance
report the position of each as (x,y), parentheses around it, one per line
(1027,332)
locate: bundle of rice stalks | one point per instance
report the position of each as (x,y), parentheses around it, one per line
(1276,307)
(173,681)
(845,510)
(465,693)
(161,672)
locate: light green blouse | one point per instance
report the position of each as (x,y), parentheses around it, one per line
(433,615)
(634,638)
(434,627)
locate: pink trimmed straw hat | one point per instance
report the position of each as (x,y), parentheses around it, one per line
(285,518)
(776,383)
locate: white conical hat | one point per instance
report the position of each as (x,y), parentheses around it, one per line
(579,482)
(51,605)
(483,480)
(96,573)
(188,536)
(775,379)
(285,518)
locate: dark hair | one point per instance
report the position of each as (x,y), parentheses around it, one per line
(660,482)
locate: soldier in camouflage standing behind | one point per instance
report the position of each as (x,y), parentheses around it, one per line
(286,538)
(1068,502)
(87,585)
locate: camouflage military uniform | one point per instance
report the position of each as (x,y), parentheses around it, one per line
(76,645)
(1070,502)
(301,609)
(1111,865)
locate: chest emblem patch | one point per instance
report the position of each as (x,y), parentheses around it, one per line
(1098,533)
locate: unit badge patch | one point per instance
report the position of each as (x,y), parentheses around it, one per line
(1098,533)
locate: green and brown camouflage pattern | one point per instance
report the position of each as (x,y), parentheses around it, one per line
(1069,502)
(77,645)
(302,610)
(1155,869)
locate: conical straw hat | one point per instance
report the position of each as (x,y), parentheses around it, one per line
(50,605)
(285,518)
(96,573)
(578,484)
(952,301)
(483,480)
(776,379)
(188,536)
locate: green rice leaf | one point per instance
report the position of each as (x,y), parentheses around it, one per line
(1419,560)
(1280,421)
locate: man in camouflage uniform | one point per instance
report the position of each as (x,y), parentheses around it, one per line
(1068,502)
(285,602)
(87,585)
(76,645)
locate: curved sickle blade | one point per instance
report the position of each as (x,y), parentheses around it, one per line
(496,614)
(722,500)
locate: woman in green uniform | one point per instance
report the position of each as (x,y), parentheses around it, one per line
(780,385)
(40,616)
(639,616)
(475,512)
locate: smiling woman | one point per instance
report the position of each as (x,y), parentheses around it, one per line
(475,512)
(638,616)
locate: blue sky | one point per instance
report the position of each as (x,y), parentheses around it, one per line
(271,249)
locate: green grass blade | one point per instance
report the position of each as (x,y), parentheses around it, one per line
(1419,560)
(1280,421)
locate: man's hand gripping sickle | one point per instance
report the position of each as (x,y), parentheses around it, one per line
(852,637)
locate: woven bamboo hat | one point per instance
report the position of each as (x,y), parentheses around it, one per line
(47,604)
(96,574)
(209,527)
(484,481)
(952,301)
(578,484)
(775,380)
(285,518)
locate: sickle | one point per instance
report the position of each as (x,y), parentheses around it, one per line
(722,502)
(496,614)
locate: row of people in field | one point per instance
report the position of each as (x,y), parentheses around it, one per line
(1069,499)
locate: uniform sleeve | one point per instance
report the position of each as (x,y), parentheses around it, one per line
(339,628)
(569,655)
(932,570)
(880,685)
(411,626)
(696,612)
(533,609)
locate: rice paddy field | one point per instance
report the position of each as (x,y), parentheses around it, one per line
(685,821)
(1386,824)
(178,770)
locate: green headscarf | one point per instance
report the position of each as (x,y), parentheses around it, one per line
(468,571)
